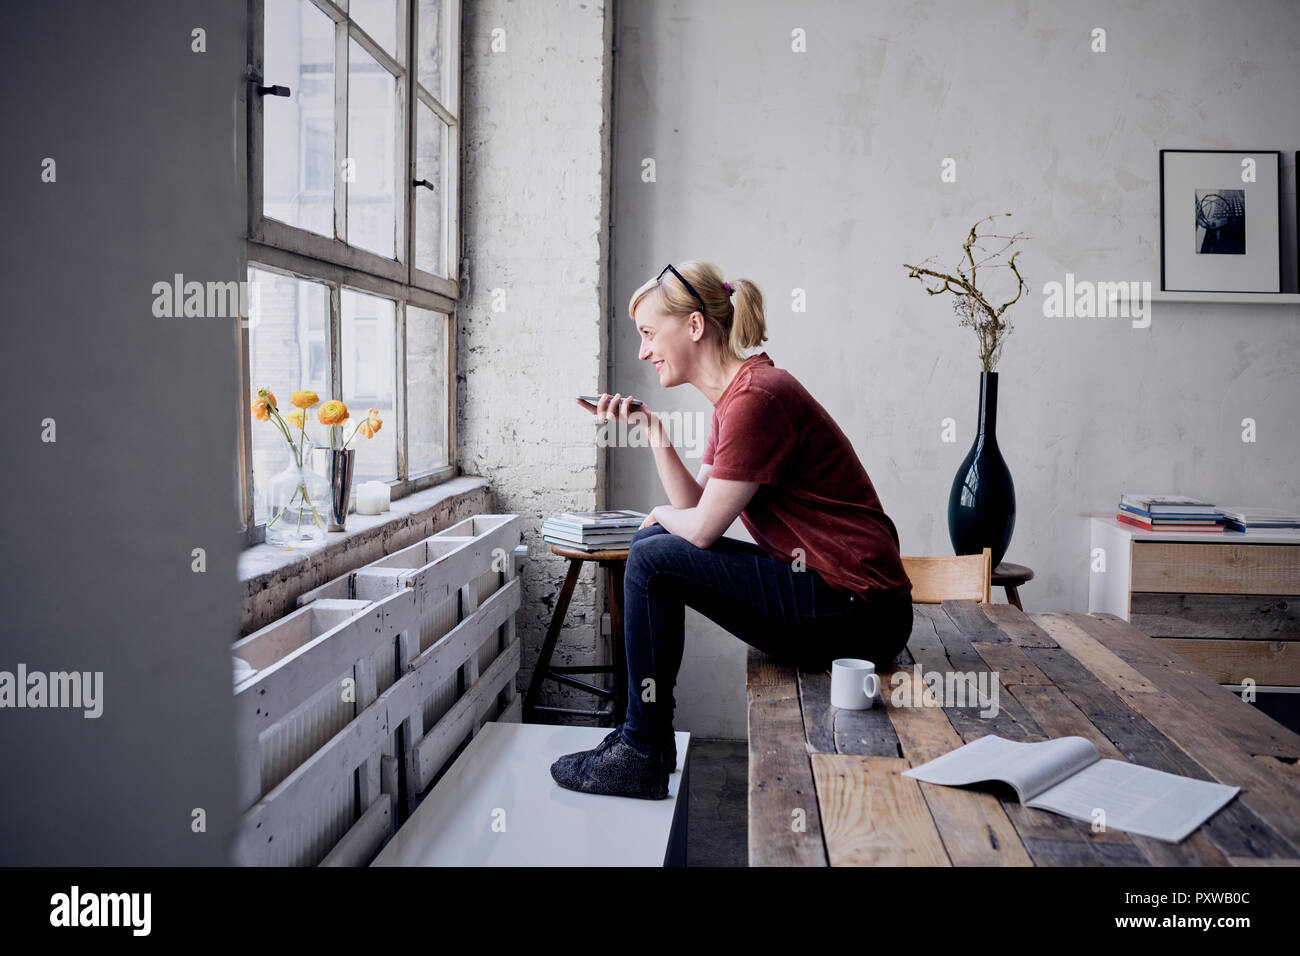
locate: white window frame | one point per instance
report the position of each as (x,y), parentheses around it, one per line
(279,247)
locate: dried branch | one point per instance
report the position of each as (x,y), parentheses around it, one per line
(971,306)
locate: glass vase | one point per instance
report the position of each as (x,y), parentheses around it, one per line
(297,501)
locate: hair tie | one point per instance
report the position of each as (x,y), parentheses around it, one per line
(727,286)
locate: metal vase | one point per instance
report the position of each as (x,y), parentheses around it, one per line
(338,465)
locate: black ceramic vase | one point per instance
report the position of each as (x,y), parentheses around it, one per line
(982,505)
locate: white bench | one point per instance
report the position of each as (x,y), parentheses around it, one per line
(499,806)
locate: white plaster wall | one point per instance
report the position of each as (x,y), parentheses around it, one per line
(820,171)
(531,323)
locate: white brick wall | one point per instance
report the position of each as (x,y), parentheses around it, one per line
(535,180)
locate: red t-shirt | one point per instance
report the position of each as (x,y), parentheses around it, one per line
(814,493)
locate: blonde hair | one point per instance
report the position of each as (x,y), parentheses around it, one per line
(738,327)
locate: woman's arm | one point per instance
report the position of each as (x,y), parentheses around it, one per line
(703,524)
(683,491)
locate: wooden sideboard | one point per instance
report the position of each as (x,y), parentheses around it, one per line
(1226,602)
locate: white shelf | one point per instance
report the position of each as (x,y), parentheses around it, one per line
(1259,298)
(1227,536)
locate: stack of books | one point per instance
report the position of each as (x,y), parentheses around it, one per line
(1244,518)
(1169,513)
(593,530)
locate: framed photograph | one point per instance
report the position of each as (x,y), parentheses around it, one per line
(1220,220)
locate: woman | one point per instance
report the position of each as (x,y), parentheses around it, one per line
(825,579)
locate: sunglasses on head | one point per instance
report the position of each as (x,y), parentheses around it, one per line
(689,287)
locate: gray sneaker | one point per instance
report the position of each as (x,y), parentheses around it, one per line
(616,769)
(569,763)
(670,755)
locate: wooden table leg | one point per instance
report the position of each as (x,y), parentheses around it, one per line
(548,645)
(614,582)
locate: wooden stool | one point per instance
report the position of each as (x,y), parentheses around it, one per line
(613,562)
(1010,577)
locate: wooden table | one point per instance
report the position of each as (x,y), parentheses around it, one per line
(825,785)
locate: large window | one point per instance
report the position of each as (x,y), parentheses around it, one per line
(353,231)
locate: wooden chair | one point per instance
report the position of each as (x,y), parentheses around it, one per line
(963,577)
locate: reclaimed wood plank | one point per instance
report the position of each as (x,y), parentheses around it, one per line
(1253,861)
(456,726)
(816,710)
(1188,567)
(366,691)
(1235,829)
(1257,732)
(365,838)
(1027,684)
(1083,853)
(1011,665)
(1239,829)
(829,729)
(1286,768)
(763,669)
(1059,717)
(785,826)
(974,623)
(1260,617)
(1111,669)
(1041,838)
(1017,625)
(974,828)
(1235,661)
(410,724)
(873,815)
(945,652)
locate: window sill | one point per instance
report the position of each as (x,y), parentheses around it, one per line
(272,578)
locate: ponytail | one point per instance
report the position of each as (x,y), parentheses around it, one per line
(748,324)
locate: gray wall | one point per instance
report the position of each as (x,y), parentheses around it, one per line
(820,171)
(95,566)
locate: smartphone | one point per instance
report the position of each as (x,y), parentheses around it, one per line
(595,400)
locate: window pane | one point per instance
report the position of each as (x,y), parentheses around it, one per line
(372,137)
(298,129)
(430,148)
(379,19)
(426,390)
(428,48)
(369,372)
(288,345)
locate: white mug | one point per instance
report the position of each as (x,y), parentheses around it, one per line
(854,683)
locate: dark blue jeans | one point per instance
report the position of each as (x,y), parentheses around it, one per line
(794,616)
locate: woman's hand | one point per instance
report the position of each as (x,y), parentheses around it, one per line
(616,406)
(651,518)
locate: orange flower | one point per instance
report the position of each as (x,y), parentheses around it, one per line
(372,424)
(263,404)
(332,412)
(295,418)
(305,399)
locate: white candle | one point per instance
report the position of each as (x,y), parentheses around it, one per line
(370,500)
(386,492)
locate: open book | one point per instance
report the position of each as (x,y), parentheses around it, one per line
(1068,776)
